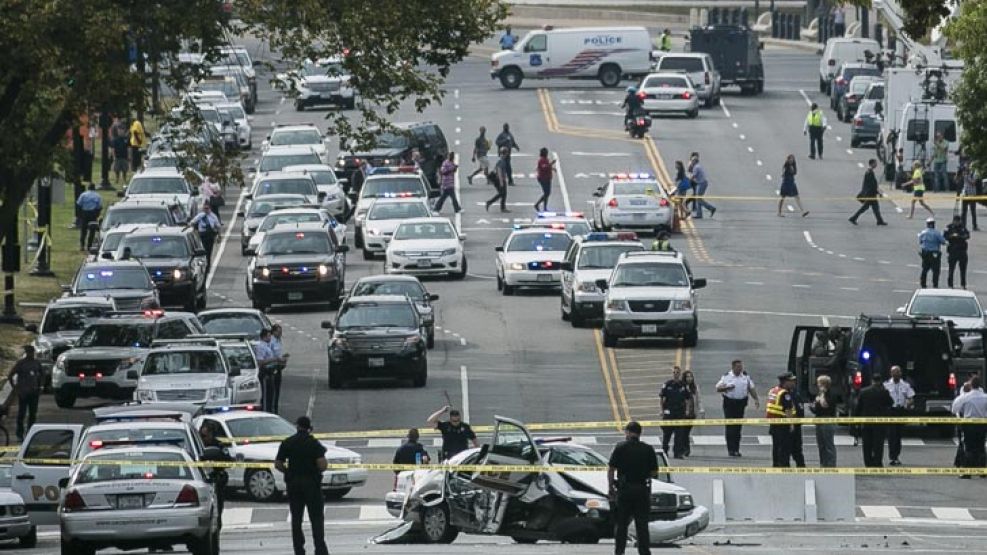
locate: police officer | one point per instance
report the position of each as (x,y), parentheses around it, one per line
(277,347)
(956,253)
(672,402)
(456,434)
(930,240)
(208,226)
(662,241)
(632,104)
(781,404)
(215,451)
(633,464)
(90,205)
(665,41)
(815,126)
(736,387)
(302,459)
(269,364)
(411,451)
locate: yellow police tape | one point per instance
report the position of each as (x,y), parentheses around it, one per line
(898,196)
(508,468)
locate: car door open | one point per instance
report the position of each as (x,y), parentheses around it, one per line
(512,445)
(44,459)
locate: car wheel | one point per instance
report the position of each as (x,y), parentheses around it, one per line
(430,340)
(335,379)
(421,375)
(500,283)
(609,340)
(436,525)
(204,546)
(759,87)
(260,485)
(367,255)
(508,290)
(565,315)
(576,319)
(299,106)
(854,143)
(336,494)
(693,113)
(64,400)
(357,238)
(463,268)
(609,75)
(716,101)
(511,78)
(30,539)
(258,305)
(691,339)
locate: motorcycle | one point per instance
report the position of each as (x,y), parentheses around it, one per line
(638,125)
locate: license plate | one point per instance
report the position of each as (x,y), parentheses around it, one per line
(649,328)
(326,96)
(546,277)
(424,263)
(295,295)
(130,501)
(639,202)
(640,216)
(89,381)
(375,362)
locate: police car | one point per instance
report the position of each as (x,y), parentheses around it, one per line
(330,187)
(531,257)
(61,325)
(193,370)
(303,134)
(386,182)
(384,216)
(280,183)
(589,259)
(283,216)
(573,222)
(632,201)
(650,294)
(168,184)
(258,209)
(276,158)
(426,246)
(239,423)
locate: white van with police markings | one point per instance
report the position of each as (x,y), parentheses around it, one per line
(605,53)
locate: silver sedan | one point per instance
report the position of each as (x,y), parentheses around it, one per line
(670,92)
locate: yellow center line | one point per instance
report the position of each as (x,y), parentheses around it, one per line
(598,342)
(618,381)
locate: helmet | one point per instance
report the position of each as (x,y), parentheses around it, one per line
(631,90)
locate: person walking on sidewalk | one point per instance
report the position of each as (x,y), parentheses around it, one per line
(930,242)
(869,195)
(544,172)
(824,406)
(698,173)
(788,187)
(903,397)
(447,183)
(481,146)
(958,237)
(26,377)
(506,141)
(302,460)
(672,400)
(498,178)
(917,183)
(815,126)
(736,387)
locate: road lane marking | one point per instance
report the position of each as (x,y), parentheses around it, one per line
(562,187)
(723,106)
(311,395)
(465,381)
(806,97)
(618,381)
(222,244)
(771,313)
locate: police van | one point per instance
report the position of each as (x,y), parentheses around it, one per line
(609,54)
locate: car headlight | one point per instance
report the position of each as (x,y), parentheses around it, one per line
(60,365)
(412,341)
(262,273)
(177,274)
(587,287)
(449,252)
(43,347)
(339,343)
(323,270)
(16,510)
(248,385)
(331,196)
(617,305)
(398,253)
(685,502)
(218,393)
(341,163)
(145,395)
(373,231)
(682,305)
(516,266)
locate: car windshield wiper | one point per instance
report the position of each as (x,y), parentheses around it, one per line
(594,267)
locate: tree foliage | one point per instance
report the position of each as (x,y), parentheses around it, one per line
(968,31)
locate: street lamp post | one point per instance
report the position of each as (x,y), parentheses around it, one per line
(104,135)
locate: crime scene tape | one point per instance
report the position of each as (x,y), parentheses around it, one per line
(898,196)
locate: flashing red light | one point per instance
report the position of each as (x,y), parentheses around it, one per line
(81,375)
(547,264)
(686,95)
(299,235)
(284,269)
(73,501)
(153,313)
(558,226)
(148,475)
(858,380)
(627,236)
(952,381)
(641,95)
(612,203)
(663,202)
(249,407)
(96,444)
(188,495)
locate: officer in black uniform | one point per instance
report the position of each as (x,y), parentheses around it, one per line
(632,466)
(456,434)
(302,459)
(215,451)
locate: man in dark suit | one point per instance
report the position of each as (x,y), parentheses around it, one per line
(874,400)
(868,195)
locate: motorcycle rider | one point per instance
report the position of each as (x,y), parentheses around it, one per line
(633,105)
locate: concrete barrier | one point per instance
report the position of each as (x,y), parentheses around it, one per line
(773,498)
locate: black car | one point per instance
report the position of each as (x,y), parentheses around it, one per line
(377,336)
(297,263)
(394,149)
(176,261)
(148,212)
(410,286)
(125,281)
(235,321)
(736,53)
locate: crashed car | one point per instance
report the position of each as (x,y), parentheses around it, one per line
(568,506)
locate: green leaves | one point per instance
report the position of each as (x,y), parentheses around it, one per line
(968,33)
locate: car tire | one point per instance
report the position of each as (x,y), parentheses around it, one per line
(822,85)
(609,75)
(335,379)
(463,268)
(527,541)
(207,545)
(511,78)
(691,339)
(576,319)
(367,255)
(260,485)
(30,539)
(421,375)
(64,400)
(562,313)
(76,548)
(336,494)
(508,290)
(609,340)
(436,526)
(299,106)
(716,101)
(430,340)
(357,238)
(759,87)
(500,283)
(708,103)
(854,143)
(693,113)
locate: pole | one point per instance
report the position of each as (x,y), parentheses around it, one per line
(78,166)
(43,266)
(11,264)
(104,154)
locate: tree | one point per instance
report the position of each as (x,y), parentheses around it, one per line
(63,58)
(969,33)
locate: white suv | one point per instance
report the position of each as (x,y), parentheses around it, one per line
(650,294)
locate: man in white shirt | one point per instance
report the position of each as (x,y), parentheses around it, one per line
(973,404)
(903,396)
(736,386)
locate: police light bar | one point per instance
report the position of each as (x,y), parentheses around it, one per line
(560,215)
(610,236)
(543,265)
(229,408)
(640,175)
(101,443)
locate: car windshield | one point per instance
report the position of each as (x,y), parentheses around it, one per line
(161,162)
(868,107)
(299,137)
(330,69)
(276,162)
(137,465)
(70,318)
(97,439)
(158,186)
(210,115)
(539,242)
(156,246)
(650,275)
(661,82)
(295,243)
(394,186)
(575,457)
(117,335)
(624,188)
(229,88)
(876,92)
(681,63)
(187,362)
(111,241)
(276,219)
(577,228)
(392,140)
(259,208)
(936,305)
(238,323)
(94,279)
(430,230)
(155,215)
(372,315)
(851,72)
(604,256)
(412,289)
(300,186)
(239,357)
(858,86)
(397,211)
(265,426)
(236,111)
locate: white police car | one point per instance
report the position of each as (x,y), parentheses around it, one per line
(531,257)
(330,187)
(386,182)
(384,216)
(632,201)
(591,258)
(573,222)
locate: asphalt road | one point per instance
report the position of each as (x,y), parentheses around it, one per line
(514,356)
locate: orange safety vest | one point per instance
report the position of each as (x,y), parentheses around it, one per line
(774,407)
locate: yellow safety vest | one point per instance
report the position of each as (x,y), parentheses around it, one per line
(774,407)
(657,245)
(666,42)
(815,119)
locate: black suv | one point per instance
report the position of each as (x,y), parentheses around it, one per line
(410,286)
(377,336)
(176,261)
(394,149)
(736,53)
(148,211)
(297,263)
(125,281)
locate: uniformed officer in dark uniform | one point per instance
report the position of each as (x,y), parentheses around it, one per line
(456,434)
(215,451)
(632,466)
(302,459)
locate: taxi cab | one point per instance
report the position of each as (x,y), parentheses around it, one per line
(531,257)
(573,222)
(632,201)
(588,259)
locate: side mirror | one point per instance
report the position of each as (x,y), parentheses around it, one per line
(248,196)
(132,375)
(65,288)
(326,325)
(343,248)
(33,328)
(63,483)
(239,214)
(321,196)
(565,266)
(699,283)
(462,238)
(602,284)
(499,248)
(597,193)
(120,194)
(433,297)
(900,310)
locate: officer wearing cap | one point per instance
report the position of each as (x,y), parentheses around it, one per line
(781,404)
(632,466)
(302,459)
(930,241)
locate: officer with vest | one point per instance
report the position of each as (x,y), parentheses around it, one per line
(781,404)
(815,125)
(664,43)
(662,241)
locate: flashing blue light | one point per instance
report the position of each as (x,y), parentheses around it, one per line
(157,273)
(106,273)
(547,214)
(865,355)
(90,276)
(539,248)
(517,226)
(304,269)
(155,239)
(225,409)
